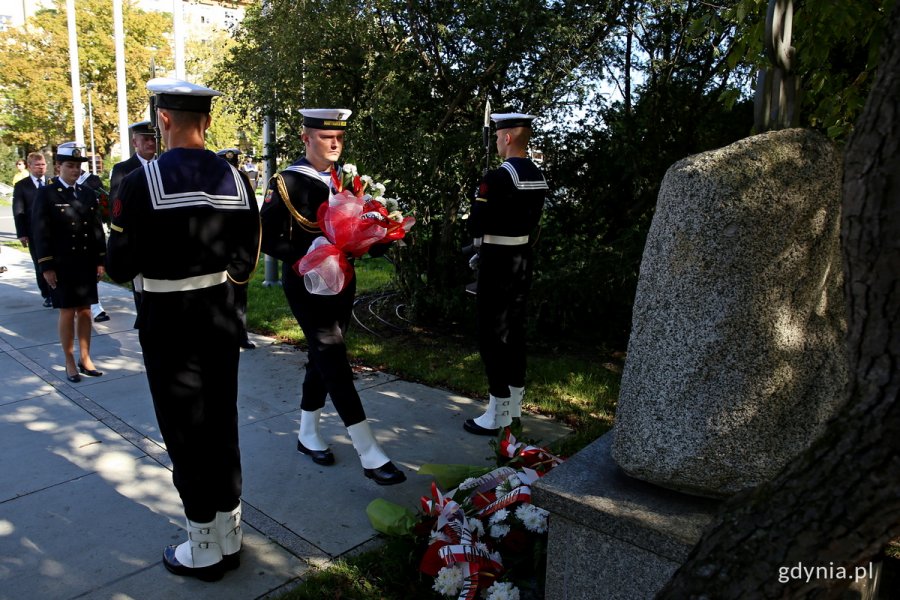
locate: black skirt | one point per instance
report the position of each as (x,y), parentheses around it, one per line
(76,286)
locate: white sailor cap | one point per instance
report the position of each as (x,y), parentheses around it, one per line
(326,118)
(507,120)
(71,152)
(177,94)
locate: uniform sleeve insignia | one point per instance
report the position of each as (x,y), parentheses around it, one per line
(117,208)
(269,195)
(482,189)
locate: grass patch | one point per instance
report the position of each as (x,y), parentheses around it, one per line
(375,575)
(578,386)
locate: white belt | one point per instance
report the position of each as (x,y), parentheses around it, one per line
(197,282)
(504,240)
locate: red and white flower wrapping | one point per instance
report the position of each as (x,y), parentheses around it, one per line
(351,224)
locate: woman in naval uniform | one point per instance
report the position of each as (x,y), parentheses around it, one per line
(70,248)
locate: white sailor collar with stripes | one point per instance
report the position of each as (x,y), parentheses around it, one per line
(161,200)
(521,184)
(302,166)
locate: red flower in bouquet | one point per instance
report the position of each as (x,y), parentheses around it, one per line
(515,542)
(485,535)
(352,221)
(525,455)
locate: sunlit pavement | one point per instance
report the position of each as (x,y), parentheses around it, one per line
(86,498)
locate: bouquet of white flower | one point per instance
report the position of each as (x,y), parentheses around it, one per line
(485,534)
(354,219)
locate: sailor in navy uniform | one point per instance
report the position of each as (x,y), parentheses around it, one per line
(239,292)
(506,210)
(70,248)
(143,139)
(188,222)
(289,226)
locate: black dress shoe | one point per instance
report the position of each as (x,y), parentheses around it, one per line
(320,457)
(210,573)
(48,303)
(386,474)
(89,372)
(101,317)
(472,427)
(73,378)
(247,345)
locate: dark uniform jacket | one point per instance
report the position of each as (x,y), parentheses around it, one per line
(120,170)
(201,219)
(24,193)
(186,214)
(65,227)
(509,201)
(288,213)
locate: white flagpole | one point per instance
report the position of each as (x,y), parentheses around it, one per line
(77,106)
(121,92)
(178,33)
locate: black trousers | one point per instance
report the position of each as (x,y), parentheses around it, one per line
(504,279)
(191,353)
(42,283)
(324,320)
(239,301)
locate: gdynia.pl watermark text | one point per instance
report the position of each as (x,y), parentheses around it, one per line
(807,574)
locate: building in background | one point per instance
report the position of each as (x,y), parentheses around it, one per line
(200,16)
(201,21)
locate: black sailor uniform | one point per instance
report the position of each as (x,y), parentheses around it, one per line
(506,210)
(186,222)
(289,226)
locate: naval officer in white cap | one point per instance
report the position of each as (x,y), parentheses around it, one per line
(70,249)
(506,210)
(289,227)
(188,222)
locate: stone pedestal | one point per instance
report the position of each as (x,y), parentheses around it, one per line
(613,536)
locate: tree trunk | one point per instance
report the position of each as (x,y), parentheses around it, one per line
(838,504)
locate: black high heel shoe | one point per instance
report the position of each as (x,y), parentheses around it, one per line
(73,378)
(88,372)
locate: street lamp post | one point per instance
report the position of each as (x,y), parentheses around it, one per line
(91,125)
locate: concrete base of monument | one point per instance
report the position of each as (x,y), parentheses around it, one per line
(612,536)
(619,538)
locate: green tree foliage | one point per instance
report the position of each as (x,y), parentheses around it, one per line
(417,76)
(669,80)
(231,127)
(8,158)
(622,90)
(35,82)
(836,53)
